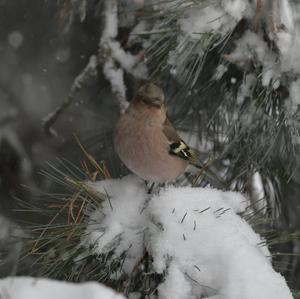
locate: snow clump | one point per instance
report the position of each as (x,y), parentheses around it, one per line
(196,237)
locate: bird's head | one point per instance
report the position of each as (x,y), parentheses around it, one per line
(151,95)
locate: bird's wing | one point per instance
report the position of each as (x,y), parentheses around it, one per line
(177,146)
(180,149)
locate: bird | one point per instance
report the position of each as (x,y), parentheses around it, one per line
(147,142)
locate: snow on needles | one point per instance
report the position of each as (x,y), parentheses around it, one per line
(32,288)
(221,16)
(120,224)
(194,235)
(283,30)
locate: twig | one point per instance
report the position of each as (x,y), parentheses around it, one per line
(88,72)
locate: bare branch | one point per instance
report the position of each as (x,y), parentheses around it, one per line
(89,71)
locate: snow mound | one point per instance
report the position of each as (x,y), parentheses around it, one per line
(195,236)
(32,288)
(207,249)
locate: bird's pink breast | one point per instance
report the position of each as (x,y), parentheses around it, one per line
(144,149)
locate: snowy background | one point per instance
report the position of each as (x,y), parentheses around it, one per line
(231,74)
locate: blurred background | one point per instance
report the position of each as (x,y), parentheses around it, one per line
(39,60)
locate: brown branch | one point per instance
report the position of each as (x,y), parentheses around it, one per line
(81,80)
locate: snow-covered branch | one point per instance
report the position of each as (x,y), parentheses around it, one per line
(115,60)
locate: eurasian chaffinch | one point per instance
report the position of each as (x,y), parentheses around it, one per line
(146,141)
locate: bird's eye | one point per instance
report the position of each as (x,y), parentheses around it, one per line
(152,101)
